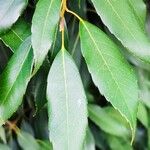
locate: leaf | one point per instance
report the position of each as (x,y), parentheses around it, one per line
(44,22)
(16,35)
(45,145)
(2,135)
(143,115)
(118,143)
(89,141)
(119,17)
(4,147)
(110,72)
(66,104)
(10,10)
(139,9)
(14,80)
(27,141)
(108,124)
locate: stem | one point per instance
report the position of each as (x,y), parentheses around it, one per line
(62,21)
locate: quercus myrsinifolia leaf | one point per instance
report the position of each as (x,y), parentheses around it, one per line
(16,35)
(120,18)
(44,22)
(10,10)
(14,80)
(66,104)
(110,72)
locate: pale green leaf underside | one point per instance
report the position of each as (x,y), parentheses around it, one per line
(45,20)
(10,10)
(112,74)
(121,20)
(27,141)
(66,104)
(16,35)
(14,80)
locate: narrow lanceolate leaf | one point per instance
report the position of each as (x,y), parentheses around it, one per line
(120,18)
(10,10)
(44,22)
(114,77)
(16,35)
(67,104)
(14,80)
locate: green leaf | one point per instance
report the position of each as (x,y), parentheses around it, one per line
(14,80)
(4,147)
(16,35)
(110,72)
(119,17)
(10,10)
(108,124)
(44,22)
(45,145)
(67,104)
(89,141)
(139,9)
(118,143)
(27,141)
(143,115)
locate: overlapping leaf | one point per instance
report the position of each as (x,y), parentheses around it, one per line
(110,72)
(44,22)
(120,16)
(16,35)
(14,80)
(10,10)
(66,104)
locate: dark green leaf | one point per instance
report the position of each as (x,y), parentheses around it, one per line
(14,80)
(16,35)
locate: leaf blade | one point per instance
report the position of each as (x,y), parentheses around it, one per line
(108,67)
(125,26)
(44,22)
(10,12)
(15,78)
(65,91)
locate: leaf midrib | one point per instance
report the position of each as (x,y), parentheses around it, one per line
(66,97)
(45,23)
(16,76)
(110,72)
(108,1)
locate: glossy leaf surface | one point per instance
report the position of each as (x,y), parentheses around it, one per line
(14,80)
(110,72)
(16,35)
(119,16)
